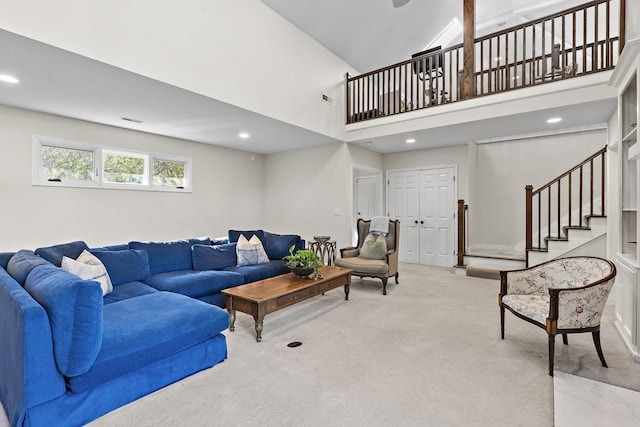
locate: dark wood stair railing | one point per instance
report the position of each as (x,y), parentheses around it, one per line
(577,41)
(557,200)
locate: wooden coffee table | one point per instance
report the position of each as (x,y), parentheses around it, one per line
(266,296)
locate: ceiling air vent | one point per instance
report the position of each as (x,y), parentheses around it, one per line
(127,119)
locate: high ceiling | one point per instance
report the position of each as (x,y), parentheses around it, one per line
(366,33)
(371,34)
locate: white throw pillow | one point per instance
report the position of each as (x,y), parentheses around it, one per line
(250,252)
(88,267)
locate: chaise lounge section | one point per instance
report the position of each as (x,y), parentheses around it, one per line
(71,354)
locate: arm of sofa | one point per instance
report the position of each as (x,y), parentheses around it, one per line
(27,366)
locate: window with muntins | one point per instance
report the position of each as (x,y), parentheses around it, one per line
(64,163)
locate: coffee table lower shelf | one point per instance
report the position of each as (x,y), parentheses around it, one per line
(266,296)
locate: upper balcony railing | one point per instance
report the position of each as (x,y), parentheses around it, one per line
(578,41)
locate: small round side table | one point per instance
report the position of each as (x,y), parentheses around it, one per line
(325,249)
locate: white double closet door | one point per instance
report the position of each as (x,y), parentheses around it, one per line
(424,202)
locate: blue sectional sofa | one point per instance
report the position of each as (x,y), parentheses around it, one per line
(69,354)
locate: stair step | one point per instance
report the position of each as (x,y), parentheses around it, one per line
(484,271)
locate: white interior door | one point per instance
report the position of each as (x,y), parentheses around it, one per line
(366,197)
(437,207)
(424,202)
(403,199)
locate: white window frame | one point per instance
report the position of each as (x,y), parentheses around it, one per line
(98,153)
(178,159)
(125,153)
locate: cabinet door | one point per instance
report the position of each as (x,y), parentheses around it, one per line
(626,303)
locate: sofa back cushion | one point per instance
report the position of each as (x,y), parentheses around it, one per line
(54,254)
(217,257)
(234,235)
(124,266)
(4,258)
(21,264)
(173,255)
(277,245)
(74,307)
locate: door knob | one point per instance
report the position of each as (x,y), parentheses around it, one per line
(416,221)
(421,222)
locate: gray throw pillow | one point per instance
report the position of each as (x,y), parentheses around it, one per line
(374,247)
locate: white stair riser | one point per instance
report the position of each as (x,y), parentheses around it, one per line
(576,239)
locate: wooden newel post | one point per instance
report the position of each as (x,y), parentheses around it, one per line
(347,97)
(461,233)
(529,217)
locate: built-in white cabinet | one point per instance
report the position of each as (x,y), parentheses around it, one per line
(627,259)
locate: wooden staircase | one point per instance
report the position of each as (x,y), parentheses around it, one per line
(588,239)
(567,215)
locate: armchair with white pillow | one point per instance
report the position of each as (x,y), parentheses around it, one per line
(377,252)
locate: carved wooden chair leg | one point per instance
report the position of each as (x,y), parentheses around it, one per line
(397,275)
(384,285)
(565,340)
(552,342)
(502,322)
(596,341)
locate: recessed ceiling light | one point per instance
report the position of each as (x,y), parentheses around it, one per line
(410,141)
(554,120)
(498,58)
(243,135)
(8,79)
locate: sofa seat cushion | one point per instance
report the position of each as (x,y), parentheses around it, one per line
(128,290)
(140,331)
(54,253)
(257,272)
(535,307)
(74,307)
(21,264)
(195,283)
(377,267)
(173,255)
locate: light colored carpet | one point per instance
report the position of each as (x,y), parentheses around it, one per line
(427,354)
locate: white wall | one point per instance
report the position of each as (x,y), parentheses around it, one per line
(304,187)
(632,26)
(446,156)
(227,190)
(236,51)
(503,169)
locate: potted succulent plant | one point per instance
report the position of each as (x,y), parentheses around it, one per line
(304,262)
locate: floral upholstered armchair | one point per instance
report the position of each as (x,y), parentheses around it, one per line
(563,296)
